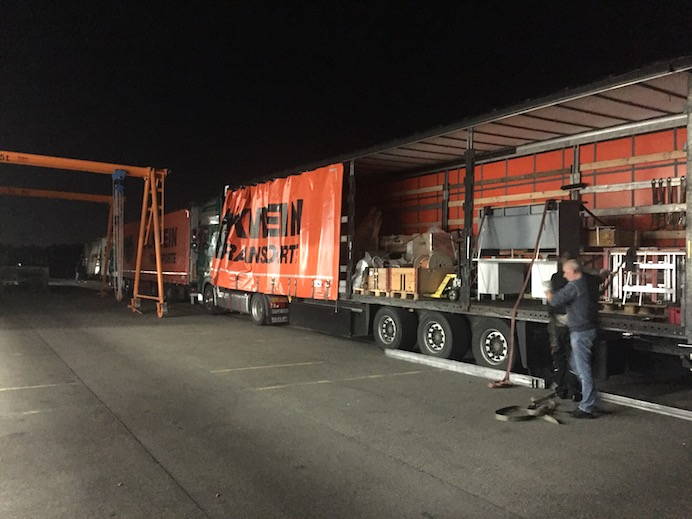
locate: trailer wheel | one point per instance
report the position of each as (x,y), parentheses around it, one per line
(209,304)
(259,309)
(394,328)
(443,335)
(491,343)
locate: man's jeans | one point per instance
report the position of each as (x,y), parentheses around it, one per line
(580,360)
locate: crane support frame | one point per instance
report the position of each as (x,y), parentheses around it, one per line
(152,205)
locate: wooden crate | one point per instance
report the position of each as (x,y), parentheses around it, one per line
(375,283)
(411,283)
(378,279)
(611,237)
(402,280)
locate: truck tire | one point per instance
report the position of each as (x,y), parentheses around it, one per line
(443,335)
(209,304)
(491,343)
(394,328)
(259,309)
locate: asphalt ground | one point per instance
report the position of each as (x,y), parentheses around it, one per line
(105,413)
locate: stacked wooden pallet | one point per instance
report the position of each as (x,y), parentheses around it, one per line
(402,282)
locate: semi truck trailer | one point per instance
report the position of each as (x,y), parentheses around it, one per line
(427,242)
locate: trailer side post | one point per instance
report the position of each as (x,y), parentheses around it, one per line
(575,177)
(351,224)
(468,222)
(445,202)
(687,304)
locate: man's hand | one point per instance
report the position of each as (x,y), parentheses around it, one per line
(549,295)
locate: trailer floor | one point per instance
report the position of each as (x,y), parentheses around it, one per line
(104,413)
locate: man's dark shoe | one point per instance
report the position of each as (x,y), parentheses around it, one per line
(578,413)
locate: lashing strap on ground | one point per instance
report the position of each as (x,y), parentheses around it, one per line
(542,408)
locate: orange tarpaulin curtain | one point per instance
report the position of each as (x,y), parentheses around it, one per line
(282,237)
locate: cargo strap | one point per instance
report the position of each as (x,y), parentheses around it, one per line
(544,411)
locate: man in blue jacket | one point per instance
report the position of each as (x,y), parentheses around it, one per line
(582,319)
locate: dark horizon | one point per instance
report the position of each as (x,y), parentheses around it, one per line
(236,92)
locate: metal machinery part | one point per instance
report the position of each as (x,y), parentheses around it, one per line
(516,227)
(500,276)
(435,260)
(656,275)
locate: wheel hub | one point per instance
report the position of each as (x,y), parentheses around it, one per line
(387,330)
(435,337)
(257,310)
(495,347)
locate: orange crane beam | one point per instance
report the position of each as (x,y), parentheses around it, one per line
(59,195)
(87,166)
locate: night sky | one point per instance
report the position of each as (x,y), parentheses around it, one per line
(221,93)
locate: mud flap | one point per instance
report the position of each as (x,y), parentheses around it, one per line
(278,309)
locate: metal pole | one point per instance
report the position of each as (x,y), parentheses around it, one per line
(118,230)
(105,263)
(445,202)
(153,185)
(468,222)
(351,225)
(576,173)
(687,315)
(134,304)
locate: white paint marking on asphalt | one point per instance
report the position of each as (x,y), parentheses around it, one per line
(313,382)
(40,386)
(266,366)
(25,413)
(281,386)
(380,375)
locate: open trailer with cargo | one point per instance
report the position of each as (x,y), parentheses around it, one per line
(427,242)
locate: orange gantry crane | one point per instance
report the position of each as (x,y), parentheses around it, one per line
(151,218)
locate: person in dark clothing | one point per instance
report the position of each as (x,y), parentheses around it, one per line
(566,382)
(577,296)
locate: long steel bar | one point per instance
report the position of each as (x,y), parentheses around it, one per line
(642,209)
